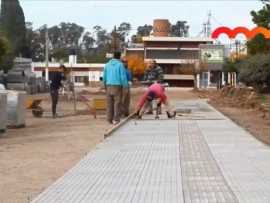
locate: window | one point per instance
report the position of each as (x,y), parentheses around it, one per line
(81,79)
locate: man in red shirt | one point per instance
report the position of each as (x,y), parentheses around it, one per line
(155,91)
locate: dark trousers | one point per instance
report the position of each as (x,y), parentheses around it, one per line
(54,96)
(113,93)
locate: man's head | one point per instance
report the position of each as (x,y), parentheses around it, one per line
(152,63)
(117,55)
(62,68)
(151,96)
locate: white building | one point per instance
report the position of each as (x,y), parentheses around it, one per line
(81,73)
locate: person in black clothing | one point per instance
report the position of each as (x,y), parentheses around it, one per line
(55,84)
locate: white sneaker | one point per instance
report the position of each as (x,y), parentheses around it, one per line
(116,122)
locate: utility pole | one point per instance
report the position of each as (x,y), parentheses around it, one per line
(46,54)
(237,48)
(209,29)
(114,40)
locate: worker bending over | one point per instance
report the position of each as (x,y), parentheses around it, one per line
(155,91)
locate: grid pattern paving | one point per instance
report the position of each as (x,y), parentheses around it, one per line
(139,163)
(201,176)
(200,157)
(243,160)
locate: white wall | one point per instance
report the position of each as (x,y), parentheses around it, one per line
(94,76)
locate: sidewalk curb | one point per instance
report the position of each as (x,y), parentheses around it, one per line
(114,128)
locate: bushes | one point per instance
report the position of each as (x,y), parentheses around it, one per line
(6,58)
(255,71)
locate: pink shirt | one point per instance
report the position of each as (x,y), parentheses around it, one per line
(159,92)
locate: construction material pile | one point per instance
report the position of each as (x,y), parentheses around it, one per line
(240,97)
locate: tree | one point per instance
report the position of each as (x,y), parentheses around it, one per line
(259,44)
(87,41)
(262,17)
(68,34)
(6,57)
(142,31)
(255,71)
(122,32)
(230,66)
(103,38)
(37,44)
(266,1)
(63,38)
(13,26)
(4,49)
(180,29)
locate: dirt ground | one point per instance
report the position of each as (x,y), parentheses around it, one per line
(34,157)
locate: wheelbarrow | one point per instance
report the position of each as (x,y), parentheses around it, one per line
(94,104)
(34,105)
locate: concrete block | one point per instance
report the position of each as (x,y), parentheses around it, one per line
(16,108)
(3,111)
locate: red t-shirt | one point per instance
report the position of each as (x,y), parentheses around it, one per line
(159,91)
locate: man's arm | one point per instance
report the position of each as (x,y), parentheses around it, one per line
(105,75)
(129,75)
(142,101)
(160,74)
(123,76)
(145,76)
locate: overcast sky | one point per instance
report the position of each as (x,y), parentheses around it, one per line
(109,13)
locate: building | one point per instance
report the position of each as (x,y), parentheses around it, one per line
(81,73)
(180,57)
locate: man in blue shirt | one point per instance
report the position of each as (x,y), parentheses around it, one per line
(114,79)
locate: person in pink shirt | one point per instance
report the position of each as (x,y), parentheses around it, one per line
(155,91)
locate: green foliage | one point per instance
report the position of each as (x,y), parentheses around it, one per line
(266,1)
(262,17)
(60,54)
(263,99)
(258,45)
(230,66)
(13,26)
(123,31)
(180,29)
(142,31)
(4,48)
(87,42)
(7,62)
(6,58)
(255,71)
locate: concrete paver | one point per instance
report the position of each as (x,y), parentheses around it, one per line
(199,157)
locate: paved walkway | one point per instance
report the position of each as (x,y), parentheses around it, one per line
(200,157)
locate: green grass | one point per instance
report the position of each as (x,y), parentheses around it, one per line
(263,99)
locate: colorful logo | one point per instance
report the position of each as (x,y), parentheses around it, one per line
(243,30)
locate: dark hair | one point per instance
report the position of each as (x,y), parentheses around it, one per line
(117,55)
(63,67)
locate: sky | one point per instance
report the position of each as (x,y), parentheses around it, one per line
(109,13)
